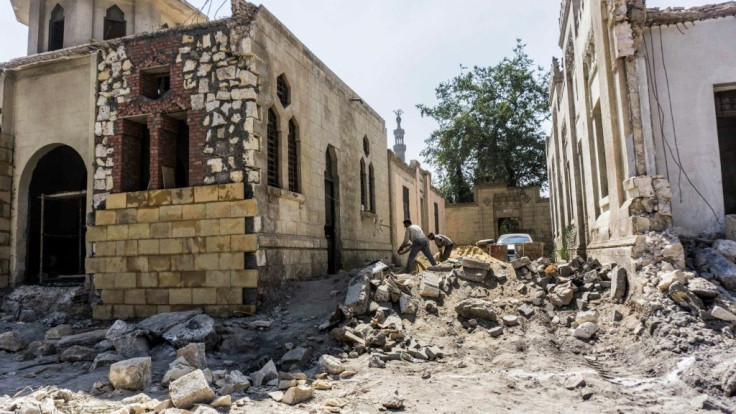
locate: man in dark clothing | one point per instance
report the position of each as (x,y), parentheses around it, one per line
(419,242)
(444,244)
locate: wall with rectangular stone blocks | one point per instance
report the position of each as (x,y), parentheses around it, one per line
(175,249)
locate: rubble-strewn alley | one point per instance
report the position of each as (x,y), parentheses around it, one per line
(470,335)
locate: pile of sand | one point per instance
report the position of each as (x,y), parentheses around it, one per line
(469,251)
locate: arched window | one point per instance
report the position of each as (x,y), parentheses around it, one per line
(366,146)
(114,23)
(363,194)
(293,158)
(272,135)
(283,91)
(371,189)
(56,28)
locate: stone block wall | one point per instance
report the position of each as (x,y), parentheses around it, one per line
(170,250)
(6,174)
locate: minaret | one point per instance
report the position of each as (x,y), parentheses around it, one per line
(399,147)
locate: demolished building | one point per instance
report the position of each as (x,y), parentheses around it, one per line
(641,112)
(183,163)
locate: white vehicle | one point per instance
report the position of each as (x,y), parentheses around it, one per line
(511,240)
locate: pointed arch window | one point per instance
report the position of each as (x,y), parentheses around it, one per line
(114,26)
(272,136)
(363,192)
(371,189)
(293,159)
(56,28)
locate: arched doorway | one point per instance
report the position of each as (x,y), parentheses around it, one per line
(56,216)
(332,211)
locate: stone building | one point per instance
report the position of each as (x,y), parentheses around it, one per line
(642,108)
(198,164)
(498,209)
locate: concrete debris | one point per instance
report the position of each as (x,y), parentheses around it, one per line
(297,356)
(83,339)
(619,283)
(576,381)
(58,332)
(265,374)
(117,330)
(132,345)
(296,395)
(235,381)
(586,330)
(430,286)
(104,359)
(683,297)
(191,389)
(495,332)
(330,364)
(358,295)
(510,320)
(722,314)
(526,310)
(194,354)
(407,305)
(703,288)
(222,402)
(11,341)
(723,269)
(177,369)
(200,328)
(375,361)
(78,353)
(393,402)
(727,248)
(476,309)
(132,374)
(157,325)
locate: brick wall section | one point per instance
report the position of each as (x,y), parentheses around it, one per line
(6,170)
(170,250)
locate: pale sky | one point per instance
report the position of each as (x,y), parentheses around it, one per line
(394,53)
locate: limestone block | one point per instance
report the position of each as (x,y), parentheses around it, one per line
(105,217)
(132,374)
(181,296)
(190,389)
(206,193)
(244,242)
(96,233)
(244,278)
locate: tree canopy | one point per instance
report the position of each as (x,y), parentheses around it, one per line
(490,127)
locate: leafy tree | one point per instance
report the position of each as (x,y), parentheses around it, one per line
(490,127)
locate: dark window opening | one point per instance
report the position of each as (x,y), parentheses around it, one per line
(135,156)
(155,82)
(371,189)
(407,216)
(366,146)
(182,156)
(272,135)
(436,218)
(363,195)
(114,26)
(56,220)
(283,92)
(293,158)
(726,122)
(173,151)
(601,152)
(56,28)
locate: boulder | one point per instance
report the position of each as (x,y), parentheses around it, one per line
(200,328)
(132,345)
(359,293)
(618,283)
(265,374)
(104,359)
(88,339)
(177,369)
(703,288)
(194,354)
(298,356)
(561,295)
(407,305)
(158,324)
(330,364)
(727,248)
(296,395)
(191,389)
(78,353)
(683,297)
(430,286)
(58,332)
(474,308)
(132,374)
(11,341)
(586,330)
(723,269)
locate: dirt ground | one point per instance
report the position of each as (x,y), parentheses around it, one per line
(523,370)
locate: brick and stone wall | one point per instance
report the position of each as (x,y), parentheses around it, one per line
(169,250)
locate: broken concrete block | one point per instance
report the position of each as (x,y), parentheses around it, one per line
(298,356)
(83,339)
(510,320)
(382,294)
(430,286)
(520,262)
(586,330)
(177,369)
(618,283)
(358,295)
(265,374)
(235,381)
(78,353)
(667,278)
(194,354)
(407,305)
(296,395)
(576,381)
(526,310)
(58,332)
(561,295)
(200,328)
(131,374)
(158,324)
(723,269)
(474,270)
(495,332)
(104,359)
(474,308)
(703,288)
(11,341)
(190,389)
(222,402)
(132,345)
(683,297)
(117,330)
(586,316)
(722,314)
(727,248)
(330,364)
